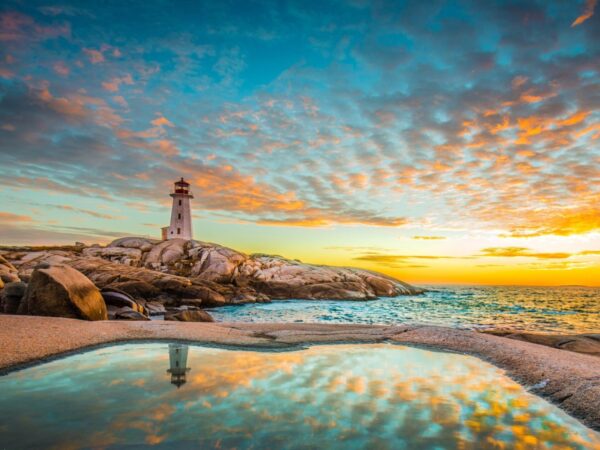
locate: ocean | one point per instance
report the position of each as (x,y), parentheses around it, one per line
(568,309)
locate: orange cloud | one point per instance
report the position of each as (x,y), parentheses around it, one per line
(114,84)
(7,217)
(94,56)
(519,81)
(162,121)
(429,238)
(574,119)
(61,68)
(588,12)
(512,252)
(566,222)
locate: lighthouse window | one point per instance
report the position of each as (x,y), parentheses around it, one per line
(179,202)
(179,216)
(178,230)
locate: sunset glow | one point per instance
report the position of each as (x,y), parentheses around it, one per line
(438,142)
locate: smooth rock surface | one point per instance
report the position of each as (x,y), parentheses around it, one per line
(62,291)
(580,343)
(190,316)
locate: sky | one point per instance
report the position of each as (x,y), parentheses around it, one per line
(438,142)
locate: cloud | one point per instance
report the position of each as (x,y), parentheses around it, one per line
(588,12)
(429,238)
(88,212)
(6,217)
(513,252)
(331,131)
(16,27)
(114,84)
(382,258)
(567,222)
(61,68)
(94,56)
(162,121)
(38,235)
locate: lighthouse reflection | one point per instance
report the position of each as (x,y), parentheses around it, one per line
(178,354)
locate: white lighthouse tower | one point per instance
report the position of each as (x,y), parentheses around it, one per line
(181,213)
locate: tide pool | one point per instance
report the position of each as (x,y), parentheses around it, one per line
(332,396)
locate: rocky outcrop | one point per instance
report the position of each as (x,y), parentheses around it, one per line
(272,276)
(201,273)
(62,291)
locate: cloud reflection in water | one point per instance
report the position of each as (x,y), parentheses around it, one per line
(357,396)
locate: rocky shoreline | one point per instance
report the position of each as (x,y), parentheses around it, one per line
(568,379)
(138,277)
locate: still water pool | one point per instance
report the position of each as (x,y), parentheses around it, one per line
(335,396)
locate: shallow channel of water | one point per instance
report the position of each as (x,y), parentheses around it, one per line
(331,396)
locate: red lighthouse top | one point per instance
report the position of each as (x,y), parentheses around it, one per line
(181,182)
(182,187)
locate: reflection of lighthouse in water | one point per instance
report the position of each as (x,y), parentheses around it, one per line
(178,361)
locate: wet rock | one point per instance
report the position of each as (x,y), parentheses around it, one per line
(244,295)
(127,313)
(12,296)
(62,291)
(190,316)
(155,308)
(192,302)
(121,299)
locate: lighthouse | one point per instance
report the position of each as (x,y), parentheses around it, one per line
(181,212)
(178,354)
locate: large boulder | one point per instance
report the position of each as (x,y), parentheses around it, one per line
(62,291)
(214,263)
(166,253)
(143,244)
